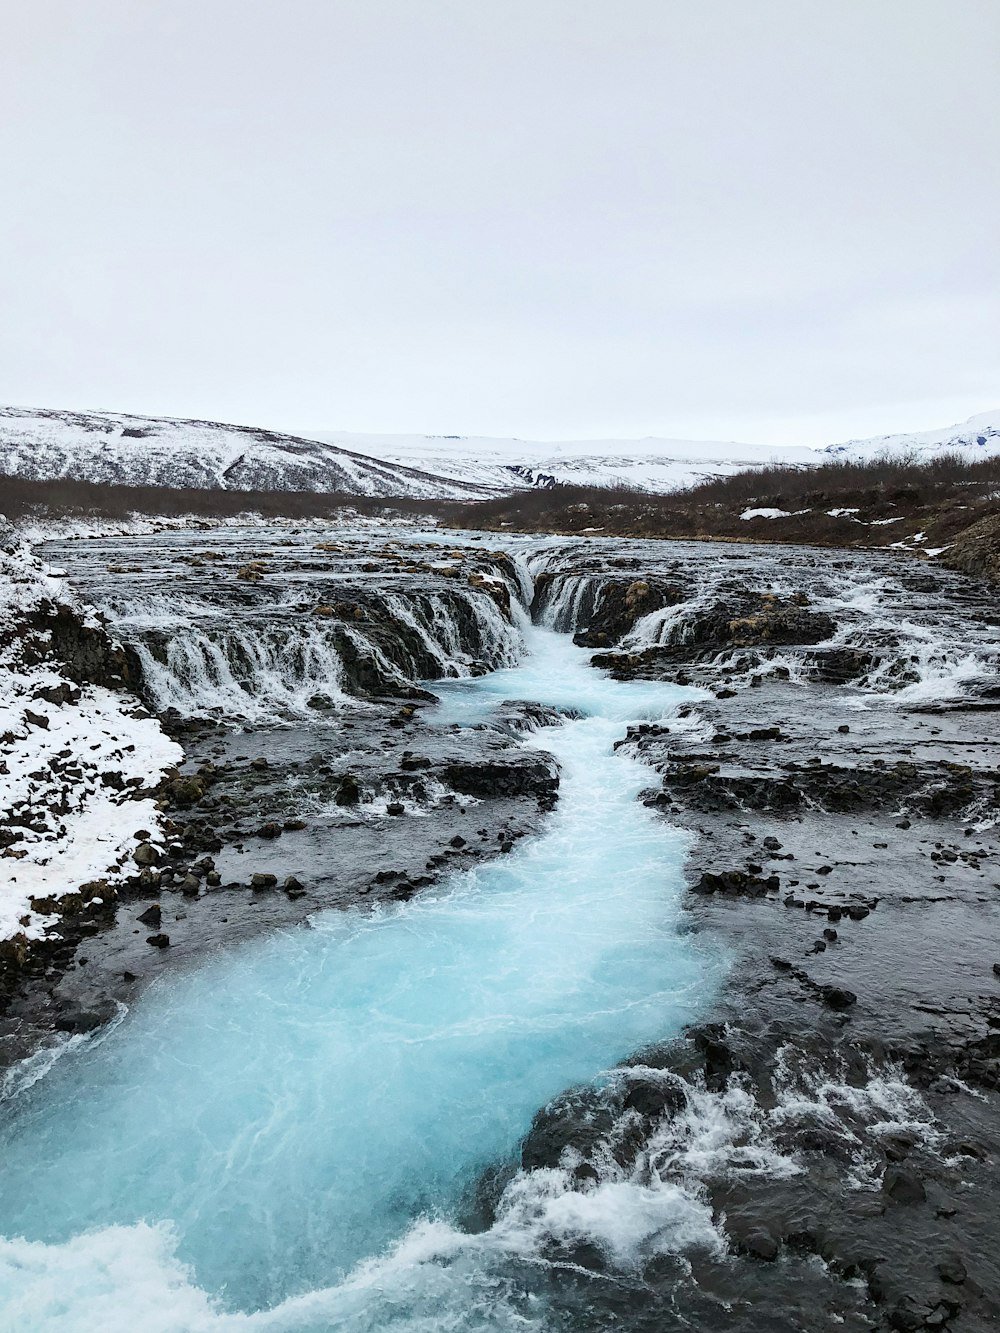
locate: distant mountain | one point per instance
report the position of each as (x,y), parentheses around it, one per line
(509,464)
(649,464)
(166,451)
(978,436)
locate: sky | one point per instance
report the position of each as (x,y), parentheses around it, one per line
(766,220)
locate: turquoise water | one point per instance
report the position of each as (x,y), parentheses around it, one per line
(283,1138)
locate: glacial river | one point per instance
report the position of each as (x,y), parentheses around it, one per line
(287,1138)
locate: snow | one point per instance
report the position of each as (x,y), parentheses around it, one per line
(651,464)
(772,513)
(978,437)
(508,464)
(116,448)
(841,513)
(78,829)
(165,451)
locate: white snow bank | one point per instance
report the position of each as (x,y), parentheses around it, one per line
(772,513)
(73,827)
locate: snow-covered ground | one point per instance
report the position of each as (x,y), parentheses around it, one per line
(147,451)
(650,464)
(62,822)
(509,464)
(978,437)
(115,448)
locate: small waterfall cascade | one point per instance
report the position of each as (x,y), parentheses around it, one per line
(243,645)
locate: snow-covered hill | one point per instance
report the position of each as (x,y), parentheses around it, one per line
(977,437)
(507,464)
(152,451)
(112,447)
(649,464)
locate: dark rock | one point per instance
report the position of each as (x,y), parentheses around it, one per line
(837,997)
(145,854)
(151,916)
(184,791)
(349,791)
(952,1270)
(655,1099)
(906,1316)
(903,1186)
(760,1245)
(272,829)
(158,941)
(263,880)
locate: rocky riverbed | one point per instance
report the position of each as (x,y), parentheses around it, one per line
(835,765)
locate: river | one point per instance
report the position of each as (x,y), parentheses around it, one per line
(287,1138)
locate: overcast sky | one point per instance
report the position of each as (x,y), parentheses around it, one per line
(770,220)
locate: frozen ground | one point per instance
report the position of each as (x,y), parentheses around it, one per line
(62,823)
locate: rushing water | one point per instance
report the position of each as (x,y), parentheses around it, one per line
(286,1138)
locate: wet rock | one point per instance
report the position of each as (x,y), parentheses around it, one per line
(272,829)
(941,1315)
(74,1019)
(159,941)
(836,997)
(903,1186)
(952,1270)
(411,764)
(145,854)
(184,791)
(349,791)
(906,1316)
(151,916)
(576,1120)
(395,808)
(655,1099)
(263,880)
(506,776)
(739,882)
(760,1244)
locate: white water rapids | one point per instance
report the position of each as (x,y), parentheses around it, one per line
(285,1138)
